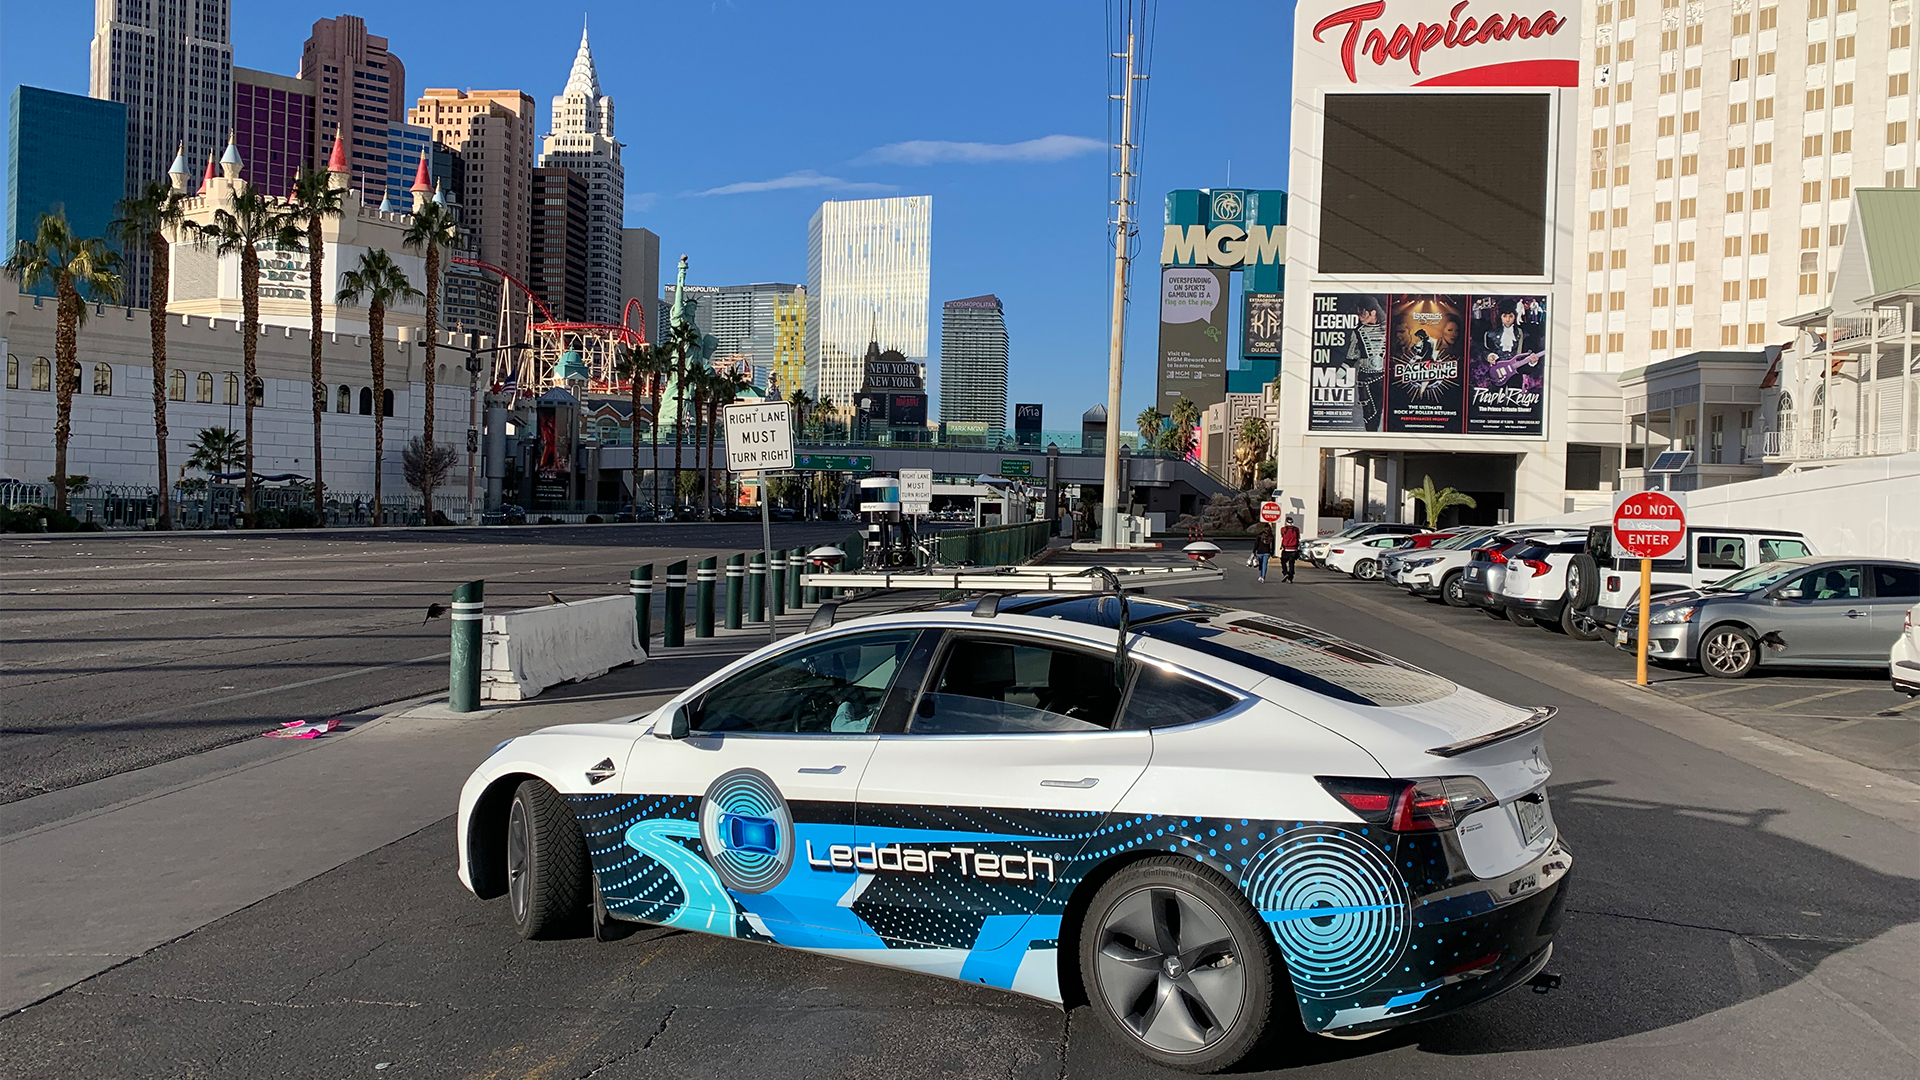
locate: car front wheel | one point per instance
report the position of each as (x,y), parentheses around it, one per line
(1454,591)
(1367,569)
(1178,966)
(547,874)
(1729,652)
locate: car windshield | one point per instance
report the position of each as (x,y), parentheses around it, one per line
(1760,577)
(1306,658)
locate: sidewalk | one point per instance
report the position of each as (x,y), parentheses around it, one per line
(99,874)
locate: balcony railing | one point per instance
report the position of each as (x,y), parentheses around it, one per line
(1812,446)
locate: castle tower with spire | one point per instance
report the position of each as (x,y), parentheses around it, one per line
(582,142)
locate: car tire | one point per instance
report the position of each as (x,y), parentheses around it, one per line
(1498,613)
(547,875)
(1166,909)
(1556,625)
(1728,652)
(1367,570)
(1583,581)
(1520,618)
(1453,589)
(1579,625)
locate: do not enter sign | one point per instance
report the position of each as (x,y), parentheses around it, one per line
(1270,512)
(1649,525)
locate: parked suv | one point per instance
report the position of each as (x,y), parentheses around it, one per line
(1434,572)
(1535,587)
(1483,579)
(1316,549)
(1601,589)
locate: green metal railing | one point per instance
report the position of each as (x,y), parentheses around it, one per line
(995,545)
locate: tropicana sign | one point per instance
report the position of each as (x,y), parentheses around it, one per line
(1418,42)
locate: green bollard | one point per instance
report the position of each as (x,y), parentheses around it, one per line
(640,584)
(673,633)
(736,575)
(703,597)
(777,585)
(757,588)
(463,682)
(796,559)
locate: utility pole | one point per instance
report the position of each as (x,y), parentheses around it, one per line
(1112,483)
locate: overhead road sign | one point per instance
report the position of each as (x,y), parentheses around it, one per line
(834,462)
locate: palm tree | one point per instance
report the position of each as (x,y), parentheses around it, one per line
(216,450)
(1186,417)
(700,384)
(250,221)
(644,364)
(721,392)
(685,342)
(1250,449)
(382,284)
(152,218)
(317,200)
(77,269)
(432,229)
(1438,501)
(1152,424)
(801,403)
(823,406)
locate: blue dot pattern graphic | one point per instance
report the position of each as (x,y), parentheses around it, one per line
(1325,868)
(747,795)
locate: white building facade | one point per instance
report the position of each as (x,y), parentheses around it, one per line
(868,267)
(582,140)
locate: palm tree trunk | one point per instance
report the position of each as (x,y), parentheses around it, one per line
(66,379)
(633,388)
(433,332)
(706,478)
(653,394)
(157,328)
(249,346)
(377,331)
(316,276)
(679,418)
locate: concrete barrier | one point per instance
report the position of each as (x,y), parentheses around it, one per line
(524,652)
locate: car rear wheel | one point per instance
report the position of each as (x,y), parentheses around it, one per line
(1177,966)
(1579,625)
(1520,618)
(1454,590)
(1494,612)
(547,889)
(1729,652)
(1367,569)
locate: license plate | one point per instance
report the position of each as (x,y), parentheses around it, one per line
(1533,817)
(1473,573)
(1620,639)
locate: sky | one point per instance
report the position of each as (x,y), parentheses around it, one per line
(741,117)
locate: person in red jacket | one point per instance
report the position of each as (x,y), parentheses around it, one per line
(1289,549)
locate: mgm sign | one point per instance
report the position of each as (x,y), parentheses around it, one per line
(1209,234)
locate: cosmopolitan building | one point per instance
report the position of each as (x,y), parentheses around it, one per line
(1431,324)
(868,264)
(973,363)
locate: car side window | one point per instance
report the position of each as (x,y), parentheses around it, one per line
(997,686)
(1721,553)
(1776,550)
(833,687)
(1829,583)
(1896,582)
(1160,699)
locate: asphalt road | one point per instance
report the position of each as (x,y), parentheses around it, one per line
(127,650)
(1723,922)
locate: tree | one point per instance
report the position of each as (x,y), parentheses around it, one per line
(382,284)
(800,403)
(688,346)
(432,230)
(78,269)
(1185,417)
(686,484)
(251,220)
(153,218)
(1250,449)
(317,200)
(426,466)
(1438,501)
(822,408)
(721,392)
(1152,424)
(216,450)
(644,367)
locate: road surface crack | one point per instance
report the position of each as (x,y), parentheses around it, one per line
(642,1048)
(1716,929)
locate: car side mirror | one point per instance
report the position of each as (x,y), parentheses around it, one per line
(1790,594)
(677,725)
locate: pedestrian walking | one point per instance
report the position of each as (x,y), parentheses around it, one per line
(1263,548)
(1289,549)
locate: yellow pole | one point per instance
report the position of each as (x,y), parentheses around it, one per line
(1646,589)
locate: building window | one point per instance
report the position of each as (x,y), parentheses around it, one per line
(343,401)
(232,389)
(42,374)
(1842,186)
(1616,343)
(1729,335)
(102,380)
(1756,333)
(1659,339)
(177,385)
(366,401)
(386,403)
(13,372)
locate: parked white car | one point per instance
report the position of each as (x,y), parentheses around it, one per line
(1710,554)
(1435,572)
(1535,585)
(1316,549)
(1361,556)
(1904,661)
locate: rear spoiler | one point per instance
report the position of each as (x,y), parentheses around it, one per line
(1533,722)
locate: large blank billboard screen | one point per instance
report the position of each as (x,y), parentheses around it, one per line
(1426,184)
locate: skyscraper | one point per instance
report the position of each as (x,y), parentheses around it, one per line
(557,271)
(582,140)
(789,371)
(973,363)
(360,90)
(744,322)
(170,62)
(493,130)
(273,127)
(868,263)
(1726,141)
(63,151)
(406,144)
(640,277)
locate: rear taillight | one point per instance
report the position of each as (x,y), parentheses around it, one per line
(1535,565)
(1410,805)
(1613,582)
(1496,555)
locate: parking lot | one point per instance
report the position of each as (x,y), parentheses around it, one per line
(1851,714)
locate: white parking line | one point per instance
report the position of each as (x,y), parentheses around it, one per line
(1815,697)
(1717,693)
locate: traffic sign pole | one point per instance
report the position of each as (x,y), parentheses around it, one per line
(1646,612)
(1647,525)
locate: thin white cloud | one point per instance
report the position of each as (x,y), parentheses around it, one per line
(805,178)
(643,201)
(1047,148)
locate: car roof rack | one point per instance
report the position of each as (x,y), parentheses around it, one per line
(1093,579)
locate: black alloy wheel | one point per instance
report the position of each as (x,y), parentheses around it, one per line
(1453,589)
(1579,625)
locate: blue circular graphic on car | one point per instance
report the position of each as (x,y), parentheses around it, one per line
(1337,907)
(747,831)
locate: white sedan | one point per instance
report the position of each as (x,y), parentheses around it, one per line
(1361,557)
(1196,823)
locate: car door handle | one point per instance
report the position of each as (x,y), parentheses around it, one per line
(831,770)
(1854,613)
(1083,782)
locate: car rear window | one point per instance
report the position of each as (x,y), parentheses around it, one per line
(1306,658)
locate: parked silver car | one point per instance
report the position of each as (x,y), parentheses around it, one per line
(1822,612)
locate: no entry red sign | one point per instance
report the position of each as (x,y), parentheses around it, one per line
(1270,512)
(1649,525)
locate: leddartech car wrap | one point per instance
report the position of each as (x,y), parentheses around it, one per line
(1374,925)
